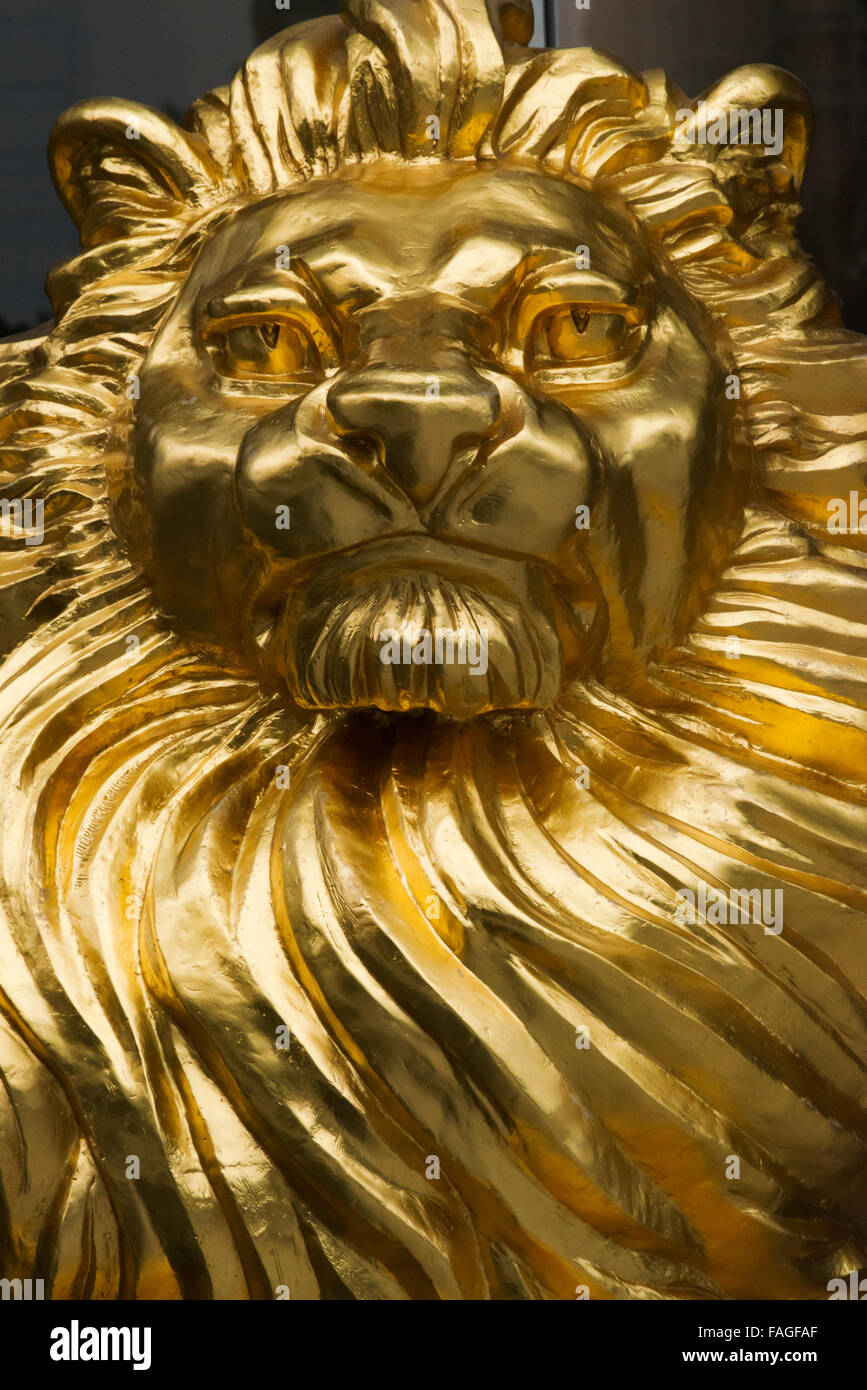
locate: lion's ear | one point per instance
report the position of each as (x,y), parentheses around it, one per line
(118,164)
(755,127)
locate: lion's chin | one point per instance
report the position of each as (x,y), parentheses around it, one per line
(424,641)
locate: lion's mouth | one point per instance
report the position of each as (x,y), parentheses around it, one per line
(415,621)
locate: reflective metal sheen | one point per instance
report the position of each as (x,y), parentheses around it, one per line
(332,967)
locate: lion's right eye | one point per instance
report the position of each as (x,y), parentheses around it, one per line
(266,349)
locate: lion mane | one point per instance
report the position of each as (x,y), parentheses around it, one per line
(435,911)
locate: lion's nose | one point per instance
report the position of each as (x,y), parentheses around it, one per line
(422,423)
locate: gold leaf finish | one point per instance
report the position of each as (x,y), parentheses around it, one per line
(428,977)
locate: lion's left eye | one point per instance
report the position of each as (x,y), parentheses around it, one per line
(269,348)
(580,334)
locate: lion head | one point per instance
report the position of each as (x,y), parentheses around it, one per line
(367,951)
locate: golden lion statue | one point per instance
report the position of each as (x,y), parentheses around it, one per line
(433,727)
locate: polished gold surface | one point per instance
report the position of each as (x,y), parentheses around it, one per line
(340,963)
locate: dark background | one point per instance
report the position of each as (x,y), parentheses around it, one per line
(167,52)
